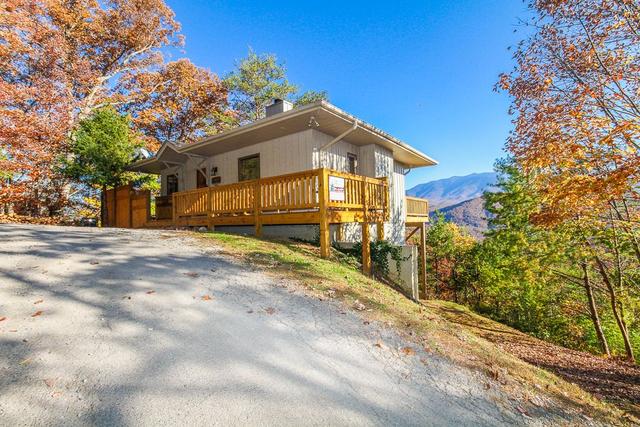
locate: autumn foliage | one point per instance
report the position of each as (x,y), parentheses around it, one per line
(62,60)
(178,103)
(576,98)
(576,105)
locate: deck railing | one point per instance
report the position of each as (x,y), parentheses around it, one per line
(291,193)
(417,207)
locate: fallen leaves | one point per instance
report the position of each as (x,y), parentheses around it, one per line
(270,310)
(151,291)
(192,274)
(3,318)
(408,351)
(206,298)
(359,306)
(94,262)
(40,301)
(37,313)
(50,382)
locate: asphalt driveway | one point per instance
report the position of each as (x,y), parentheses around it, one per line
(139,327)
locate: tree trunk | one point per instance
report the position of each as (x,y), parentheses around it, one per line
(593,310)
(614,307)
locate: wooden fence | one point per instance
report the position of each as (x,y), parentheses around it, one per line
(125,207)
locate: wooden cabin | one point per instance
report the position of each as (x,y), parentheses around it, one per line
(297,172)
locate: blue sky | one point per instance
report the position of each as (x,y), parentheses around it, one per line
(421,70)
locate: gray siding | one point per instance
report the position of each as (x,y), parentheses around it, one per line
(299,152)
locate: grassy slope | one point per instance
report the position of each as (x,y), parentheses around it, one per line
(431,324)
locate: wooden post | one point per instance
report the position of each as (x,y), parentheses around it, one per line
(340,233)
(323,198)
(380,230)
(130,192)
(210,226)
(423,258)
(366,249)
(174,210)
(257,205)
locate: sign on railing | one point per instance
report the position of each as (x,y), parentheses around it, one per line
(336,188)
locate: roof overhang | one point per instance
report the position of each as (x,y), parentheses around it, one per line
(320,115)
(168,156)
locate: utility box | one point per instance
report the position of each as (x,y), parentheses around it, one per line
(405,274)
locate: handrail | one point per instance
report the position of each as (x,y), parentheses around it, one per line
(417,206)
(288,193)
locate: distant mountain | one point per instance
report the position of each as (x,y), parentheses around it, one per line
(454,190)
(470,214)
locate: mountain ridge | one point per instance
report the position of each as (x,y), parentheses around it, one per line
(453,190)
(459,199)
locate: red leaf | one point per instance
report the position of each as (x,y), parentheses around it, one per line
(37,313)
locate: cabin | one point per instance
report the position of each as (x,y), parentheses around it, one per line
(313,172)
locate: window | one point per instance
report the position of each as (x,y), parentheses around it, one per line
(172,184)
(215,178)
(249,167)
(352,163)
(201,178)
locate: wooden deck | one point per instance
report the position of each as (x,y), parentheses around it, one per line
(417,210)
(319,196)
(298,198)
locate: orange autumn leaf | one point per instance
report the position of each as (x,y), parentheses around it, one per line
(192,274)
(3,318)
(206,297)
(408,351)
(37,313)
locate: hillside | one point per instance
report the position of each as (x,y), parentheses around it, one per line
(541,378)
(450,191)
(470,214)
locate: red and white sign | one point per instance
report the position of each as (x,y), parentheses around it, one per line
(336,189)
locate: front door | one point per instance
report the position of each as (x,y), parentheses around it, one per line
(201,179)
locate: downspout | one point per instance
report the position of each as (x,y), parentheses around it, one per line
(338,138)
